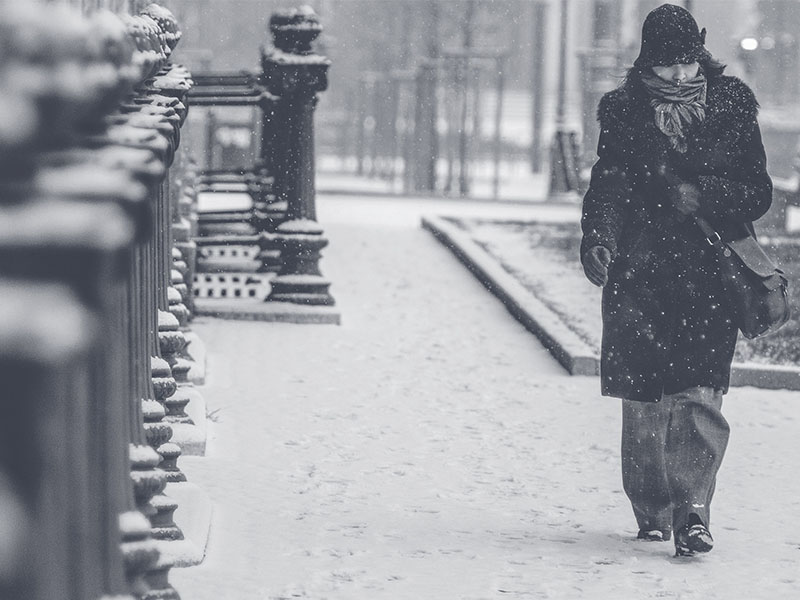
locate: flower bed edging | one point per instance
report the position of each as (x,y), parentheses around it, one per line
(577,357)
(771,377)
(565,346)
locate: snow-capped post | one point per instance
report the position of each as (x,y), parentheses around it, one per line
(295,74)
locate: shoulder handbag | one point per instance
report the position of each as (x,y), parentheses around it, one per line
(755,288)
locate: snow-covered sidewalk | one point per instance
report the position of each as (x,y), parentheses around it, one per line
(430,449)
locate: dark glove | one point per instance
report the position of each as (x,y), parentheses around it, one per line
(685,198)
(595,264)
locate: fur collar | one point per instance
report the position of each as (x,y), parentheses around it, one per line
(729,99)
(731,110)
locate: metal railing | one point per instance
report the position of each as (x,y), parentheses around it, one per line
(91,312)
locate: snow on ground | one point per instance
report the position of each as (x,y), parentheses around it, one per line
(429,448)
(561,285)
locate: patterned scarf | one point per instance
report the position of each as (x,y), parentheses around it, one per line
(677,107)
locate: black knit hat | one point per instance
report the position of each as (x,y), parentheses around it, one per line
(670,36)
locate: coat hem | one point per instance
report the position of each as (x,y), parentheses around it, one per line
(644,397)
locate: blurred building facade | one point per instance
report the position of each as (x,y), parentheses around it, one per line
(757,39)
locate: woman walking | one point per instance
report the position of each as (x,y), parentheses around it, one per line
(678,138)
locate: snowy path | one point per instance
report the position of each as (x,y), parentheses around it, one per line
(429,449)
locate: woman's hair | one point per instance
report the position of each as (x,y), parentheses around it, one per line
(711,67)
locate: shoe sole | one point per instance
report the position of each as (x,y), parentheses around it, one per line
(681,552)
(694,544)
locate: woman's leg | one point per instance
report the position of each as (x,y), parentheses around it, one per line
(644,474)
(696,441)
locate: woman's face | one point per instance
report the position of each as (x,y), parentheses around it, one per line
(679,73)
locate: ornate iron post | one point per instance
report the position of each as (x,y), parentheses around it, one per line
(294,74)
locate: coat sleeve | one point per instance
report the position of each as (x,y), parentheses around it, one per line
(608,194)
(744,193)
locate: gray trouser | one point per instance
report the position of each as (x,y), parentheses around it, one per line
(671,452)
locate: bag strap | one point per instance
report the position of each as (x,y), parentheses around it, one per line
(712,237)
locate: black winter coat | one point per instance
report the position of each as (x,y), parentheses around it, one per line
(666,324)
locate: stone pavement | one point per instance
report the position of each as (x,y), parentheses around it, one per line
(429,448)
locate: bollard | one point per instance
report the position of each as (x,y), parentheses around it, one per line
(294,74)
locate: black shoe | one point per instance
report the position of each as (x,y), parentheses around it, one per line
(654,535)
(694,539)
